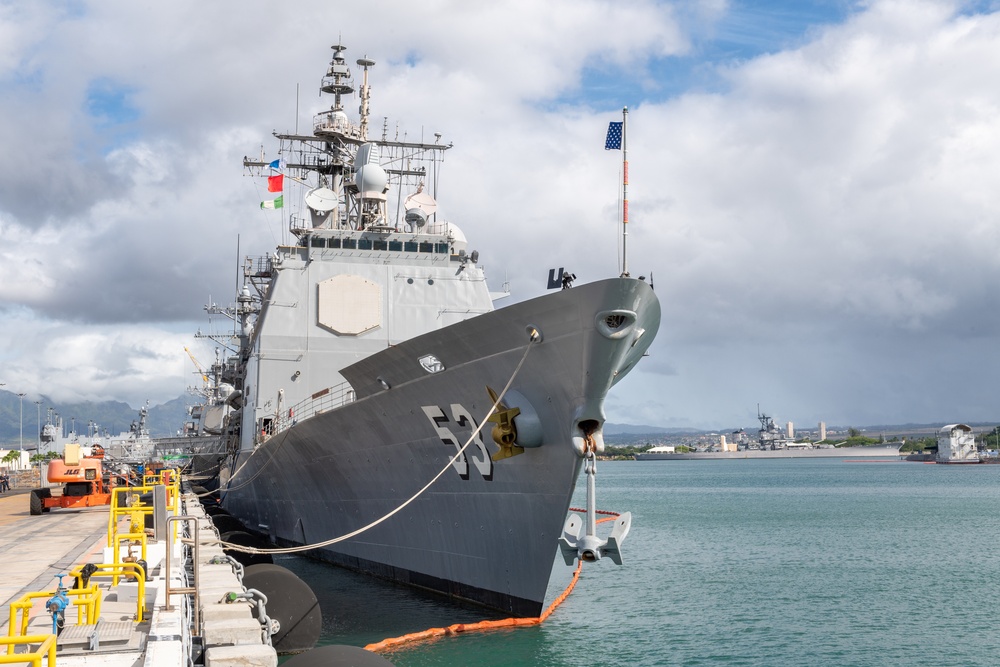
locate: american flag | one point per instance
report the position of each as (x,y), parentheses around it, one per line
(614,140)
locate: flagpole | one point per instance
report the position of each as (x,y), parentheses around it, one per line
(624,192)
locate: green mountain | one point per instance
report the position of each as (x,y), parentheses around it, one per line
(110,416)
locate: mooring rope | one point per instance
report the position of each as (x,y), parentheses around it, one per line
(347,536)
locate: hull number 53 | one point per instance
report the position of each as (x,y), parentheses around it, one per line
(453,431)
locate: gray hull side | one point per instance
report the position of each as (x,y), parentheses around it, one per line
(487,532)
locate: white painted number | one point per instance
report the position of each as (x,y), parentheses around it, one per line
(462,417)
(467,423)
(438,420)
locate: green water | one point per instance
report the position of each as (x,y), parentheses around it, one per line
(751,563)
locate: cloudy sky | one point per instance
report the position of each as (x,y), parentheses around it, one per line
(813,184)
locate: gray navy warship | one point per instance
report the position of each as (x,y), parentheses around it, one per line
(381,412)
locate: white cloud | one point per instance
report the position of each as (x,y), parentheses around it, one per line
(71,362)
(832,204)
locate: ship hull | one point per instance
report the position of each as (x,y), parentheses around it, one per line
(484,531)
(873,451)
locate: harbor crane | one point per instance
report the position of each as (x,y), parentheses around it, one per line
(201,370)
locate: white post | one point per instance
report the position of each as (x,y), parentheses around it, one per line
(20,442)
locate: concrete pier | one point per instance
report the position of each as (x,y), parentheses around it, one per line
(34,549)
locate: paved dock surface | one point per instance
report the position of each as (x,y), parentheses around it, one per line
(34,549)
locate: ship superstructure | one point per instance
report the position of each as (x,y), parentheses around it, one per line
(769,436)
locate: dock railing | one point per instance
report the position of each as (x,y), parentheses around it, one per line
(126,502)
(86,600)
(114,571)
(46,649)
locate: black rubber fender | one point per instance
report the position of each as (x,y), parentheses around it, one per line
(291,603)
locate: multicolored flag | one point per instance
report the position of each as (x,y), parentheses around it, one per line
(277,164)
(614,139)
(277,202)
(276,183)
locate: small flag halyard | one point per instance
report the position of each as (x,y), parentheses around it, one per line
(277,202)
(614,139)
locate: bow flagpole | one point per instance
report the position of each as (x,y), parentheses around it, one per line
(617,139)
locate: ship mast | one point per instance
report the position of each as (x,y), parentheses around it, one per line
(354,173)
(364,63)
(338,82)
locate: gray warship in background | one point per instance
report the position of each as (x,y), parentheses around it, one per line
(369,354)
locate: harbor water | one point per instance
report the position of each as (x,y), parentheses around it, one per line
(752,563)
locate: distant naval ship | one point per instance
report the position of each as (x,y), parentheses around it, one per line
(380,411)
(772,443)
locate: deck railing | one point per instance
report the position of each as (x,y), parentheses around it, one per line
(322,401)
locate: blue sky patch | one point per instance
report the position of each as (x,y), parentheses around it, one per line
(109,103)
(746,30)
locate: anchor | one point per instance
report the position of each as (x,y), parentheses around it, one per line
(582,542)
(505,431)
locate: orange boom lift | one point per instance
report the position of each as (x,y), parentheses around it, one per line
(83,480)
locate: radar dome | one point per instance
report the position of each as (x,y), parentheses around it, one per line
(448,229)
(338,118)
(371,179)
(455,232)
